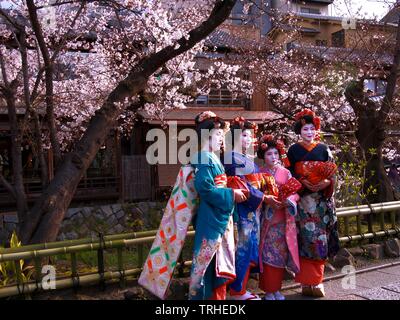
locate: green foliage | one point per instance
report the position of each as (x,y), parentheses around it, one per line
(372,151)
(14,271)
(351,188)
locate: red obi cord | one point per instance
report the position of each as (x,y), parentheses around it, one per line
(221,180)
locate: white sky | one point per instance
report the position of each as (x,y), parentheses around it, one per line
(359,8)
(369,9)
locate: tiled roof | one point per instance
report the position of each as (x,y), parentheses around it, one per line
(186,116)
(347,54)
(302,29)
(392,16)
(223,39)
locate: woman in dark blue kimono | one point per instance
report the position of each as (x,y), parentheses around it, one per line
(312,164)
(214,249)
(238,163)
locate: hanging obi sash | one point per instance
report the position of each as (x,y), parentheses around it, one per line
(167,246)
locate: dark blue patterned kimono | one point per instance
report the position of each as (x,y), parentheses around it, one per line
(247,218)
(316,220)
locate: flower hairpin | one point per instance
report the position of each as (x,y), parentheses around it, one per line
(239,121)
(267,137)
(263,146)
(280,146)
(307,112)
(207,115)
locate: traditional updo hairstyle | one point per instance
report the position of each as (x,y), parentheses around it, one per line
(304,117)
(208,120)
(240,123)
(267,142)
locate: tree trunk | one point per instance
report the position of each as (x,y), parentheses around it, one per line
(371,136)
(375,173)
(44,220)
(22,205)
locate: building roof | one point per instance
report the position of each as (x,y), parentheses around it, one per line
(288,27)
(186,116)
(392,16)
(318,16)
(317,1)
(223,39)
(346,54)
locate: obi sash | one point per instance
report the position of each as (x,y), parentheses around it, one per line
(169,240)
(255,180)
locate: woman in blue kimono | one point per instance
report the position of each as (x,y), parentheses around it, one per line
(214,249)
(239,163)
(312,164)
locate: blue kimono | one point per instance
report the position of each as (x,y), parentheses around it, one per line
(213,255)
(246,217)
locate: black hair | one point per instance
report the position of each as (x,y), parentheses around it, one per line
(208,124)
(246,125)
(271,144)
(306,119)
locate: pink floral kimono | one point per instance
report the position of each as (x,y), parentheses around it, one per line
(278,239)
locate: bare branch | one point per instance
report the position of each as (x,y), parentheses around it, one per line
(392,79)
(48,79)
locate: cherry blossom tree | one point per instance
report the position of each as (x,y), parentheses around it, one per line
(81,68)
(330,81)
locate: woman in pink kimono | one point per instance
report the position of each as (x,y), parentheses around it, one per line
(278,240)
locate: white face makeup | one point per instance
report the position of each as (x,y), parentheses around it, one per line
(246,139)
(216,139)
(271,157)
(308,132)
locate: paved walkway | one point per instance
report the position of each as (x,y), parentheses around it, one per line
(382,284)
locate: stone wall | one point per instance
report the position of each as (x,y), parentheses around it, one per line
(89,221)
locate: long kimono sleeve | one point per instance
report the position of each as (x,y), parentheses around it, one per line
(221,198)
(328,192)
(292,160)
(255,198)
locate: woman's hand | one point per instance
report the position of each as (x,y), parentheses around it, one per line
(309,185)
(323,184)
(316,187)
(273,202)
(239,195)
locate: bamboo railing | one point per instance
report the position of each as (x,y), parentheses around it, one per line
(119,242)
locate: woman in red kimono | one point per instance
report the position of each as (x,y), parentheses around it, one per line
(311,162)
